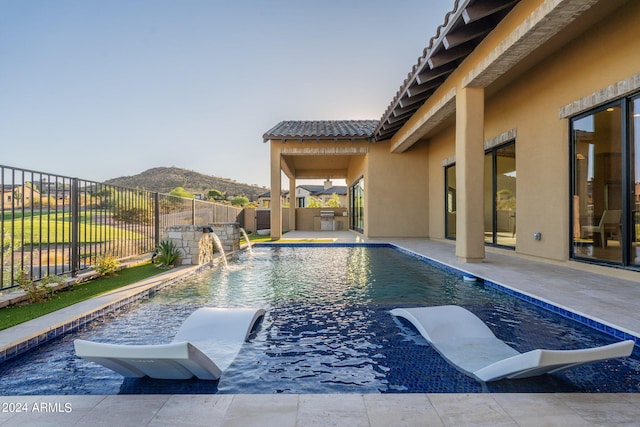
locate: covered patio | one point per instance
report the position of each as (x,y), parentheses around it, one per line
(314,150)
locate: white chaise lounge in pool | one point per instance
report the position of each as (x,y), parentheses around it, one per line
(469,345)
(205,345)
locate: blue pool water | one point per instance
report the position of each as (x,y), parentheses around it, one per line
(327,330)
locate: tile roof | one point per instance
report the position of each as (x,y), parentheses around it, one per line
(462,31)
(319,189)
(322,129)
(268,194)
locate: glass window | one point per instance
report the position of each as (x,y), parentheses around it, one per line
(597,185)
(488,198)
(356,206)
(450,202)
(634,121)
(500,195)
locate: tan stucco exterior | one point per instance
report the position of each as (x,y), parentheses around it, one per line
(539,66)
(526,102)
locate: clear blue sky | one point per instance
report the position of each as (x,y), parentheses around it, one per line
(102,89)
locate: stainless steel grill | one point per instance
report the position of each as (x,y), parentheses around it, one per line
(326,220)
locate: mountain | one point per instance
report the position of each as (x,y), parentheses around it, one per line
(163,180)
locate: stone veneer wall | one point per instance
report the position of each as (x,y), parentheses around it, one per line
(229,235)
(196,241)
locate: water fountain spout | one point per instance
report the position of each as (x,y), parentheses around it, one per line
(218,245)
(246,238)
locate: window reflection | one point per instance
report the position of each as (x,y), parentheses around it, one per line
(500,195)
(597,199)
(450,184)
(635,176)
(357,205)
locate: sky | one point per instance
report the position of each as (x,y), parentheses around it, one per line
(99,89)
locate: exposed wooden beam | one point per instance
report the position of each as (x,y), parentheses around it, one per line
(406,101)
(430,74)
(406,110)
(480,9)
(398,118)
(447,56)
(415,90)
(391,127)
(468,32)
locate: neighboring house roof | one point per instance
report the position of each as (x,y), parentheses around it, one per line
(9,187)
(318,190)
(463,30)
(268,194)
(322,129)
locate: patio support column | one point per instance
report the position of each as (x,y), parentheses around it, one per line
(276,186)
(292,203)
(470,174)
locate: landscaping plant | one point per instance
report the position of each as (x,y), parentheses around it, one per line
(37,291)
(107,265)
(166,254)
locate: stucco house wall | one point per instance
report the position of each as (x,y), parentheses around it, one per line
(527,102)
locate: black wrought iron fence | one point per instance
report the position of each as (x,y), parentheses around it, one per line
(54,225)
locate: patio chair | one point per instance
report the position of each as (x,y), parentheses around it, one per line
(464,341)
(204,346)
(610,221)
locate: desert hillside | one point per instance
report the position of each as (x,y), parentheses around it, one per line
(165,179)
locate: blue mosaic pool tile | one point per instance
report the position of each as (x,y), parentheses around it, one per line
(11,352)
(42,338)
(609,330)
(594,324)
(320,245)
(32,342)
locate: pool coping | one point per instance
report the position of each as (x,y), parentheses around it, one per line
(21,338)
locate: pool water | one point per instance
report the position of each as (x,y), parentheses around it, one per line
(327,330)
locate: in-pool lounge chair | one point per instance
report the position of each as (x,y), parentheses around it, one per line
(469,345)
(205,345)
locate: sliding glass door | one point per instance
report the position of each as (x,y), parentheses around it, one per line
(597,200)
(606,184)
(634,133)
(500,195)
(450,202)
(356,206)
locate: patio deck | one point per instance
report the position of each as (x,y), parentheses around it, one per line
(613,301)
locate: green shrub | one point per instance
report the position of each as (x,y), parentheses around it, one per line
(37,291)
(166,254)
(107,265)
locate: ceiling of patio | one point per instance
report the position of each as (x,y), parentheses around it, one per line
(334,166)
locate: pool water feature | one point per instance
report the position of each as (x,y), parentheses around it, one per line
(218,244)
(327,330)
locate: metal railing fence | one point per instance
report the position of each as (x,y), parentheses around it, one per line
(55,225)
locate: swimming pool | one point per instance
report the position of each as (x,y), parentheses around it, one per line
(327,330)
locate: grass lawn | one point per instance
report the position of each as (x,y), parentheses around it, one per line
(256,238)
(11,316)
(55,227)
